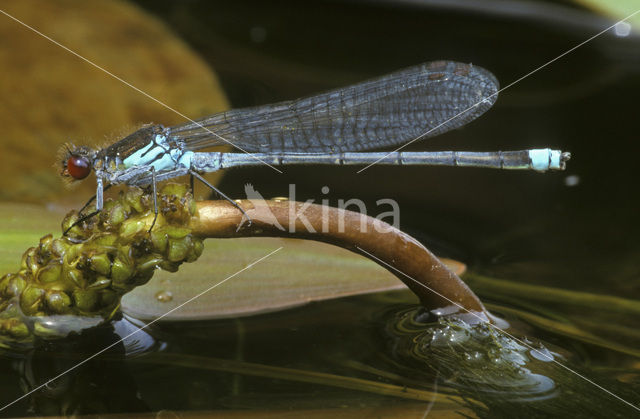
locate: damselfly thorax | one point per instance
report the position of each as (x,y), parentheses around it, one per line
(132,159)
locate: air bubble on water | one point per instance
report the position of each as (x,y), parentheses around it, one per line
(541,354)
(164,296)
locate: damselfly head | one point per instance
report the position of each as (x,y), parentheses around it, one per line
(76,162)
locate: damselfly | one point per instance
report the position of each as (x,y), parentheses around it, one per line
(329,128)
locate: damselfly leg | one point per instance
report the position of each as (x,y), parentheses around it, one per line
(81,220)
(154,192)
(155,198)
(86,217)
(84,207)
(220,193)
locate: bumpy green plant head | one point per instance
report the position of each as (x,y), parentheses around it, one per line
(76,281)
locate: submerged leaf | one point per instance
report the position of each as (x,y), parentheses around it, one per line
(302,272)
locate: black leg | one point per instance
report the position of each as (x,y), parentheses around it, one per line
(81,220)
(191,185)
(84,207)
(155,198)
(222,195)
(84,218)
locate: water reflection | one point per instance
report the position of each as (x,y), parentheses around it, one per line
(83,374)
(499,376)
(355,352)
(476,358)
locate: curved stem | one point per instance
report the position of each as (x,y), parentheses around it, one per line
(434,284)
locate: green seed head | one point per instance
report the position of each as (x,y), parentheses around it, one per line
(58,302)
(169,266)
(180,190)
(196,250)
(100,283)
(132,227)
(109,298)
(142,278)
(73,254)
(117,214)
(49,273)
(31,299)
(14,328)
(177,232)
(122,269)
(12,285)
(59,247)
(159,239)
(45,246)
(85,273)
(150,263)
(135,198)
(100,263)
(85,300)
(73,276)
(30,260)
(105,240)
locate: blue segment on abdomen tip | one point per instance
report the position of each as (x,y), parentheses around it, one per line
(539,159)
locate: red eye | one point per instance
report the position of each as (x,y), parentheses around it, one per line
(78,167)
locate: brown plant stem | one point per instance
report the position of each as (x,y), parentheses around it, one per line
(434,284)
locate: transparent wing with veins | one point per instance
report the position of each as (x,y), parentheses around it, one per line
(414,103)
